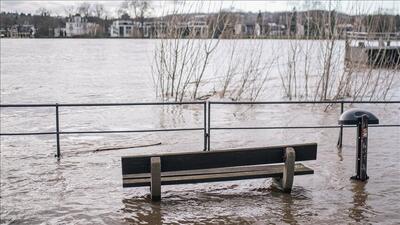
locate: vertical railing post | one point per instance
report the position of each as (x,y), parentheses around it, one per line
(58,155)
(209,127)
(340,139)
(205,126)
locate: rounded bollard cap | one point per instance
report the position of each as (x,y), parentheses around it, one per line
(350,117)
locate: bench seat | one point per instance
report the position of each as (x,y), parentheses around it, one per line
(214,175)
(278,162)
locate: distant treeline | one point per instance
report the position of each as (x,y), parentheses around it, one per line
(314,21)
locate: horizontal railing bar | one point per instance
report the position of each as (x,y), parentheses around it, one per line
(28,133)
(185,129)
(192,103)
(384,125)
(297,127)
(103,132)
(27,105)
(132,104)
(271,128)
(131,131)
(303,102)
(97,104)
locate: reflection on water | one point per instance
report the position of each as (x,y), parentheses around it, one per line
(287,210)
(340,152)
(220,205)
(360,207)
(144,210)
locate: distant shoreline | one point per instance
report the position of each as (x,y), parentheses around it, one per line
(138,38)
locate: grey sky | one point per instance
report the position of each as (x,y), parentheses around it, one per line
(163,7)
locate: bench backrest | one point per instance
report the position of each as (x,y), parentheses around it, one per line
(217,159)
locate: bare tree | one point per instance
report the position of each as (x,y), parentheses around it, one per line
(84,9)
(181,60)
(231,71)
(70,10)
(137,9)
(99,10)
(43,11)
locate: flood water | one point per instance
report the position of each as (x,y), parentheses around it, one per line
(85,187)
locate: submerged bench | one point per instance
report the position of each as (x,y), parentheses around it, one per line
(222,165)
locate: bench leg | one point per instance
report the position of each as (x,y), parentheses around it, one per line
(155,187)
(286,182)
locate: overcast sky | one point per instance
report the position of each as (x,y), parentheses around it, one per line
(164,7)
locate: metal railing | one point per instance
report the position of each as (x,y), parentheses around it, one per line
(206,123)
(342,103)
(373,35)
(58,132)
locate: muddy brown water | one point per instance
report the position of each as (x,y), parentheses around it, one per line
(85,187)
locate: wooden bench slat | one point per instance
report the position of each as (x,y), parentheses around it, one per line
(217,159)
(210,171)
(215,175)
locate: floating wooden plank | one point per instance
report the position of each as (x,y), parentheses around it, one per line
(126,147)
(214,175)
(217,159)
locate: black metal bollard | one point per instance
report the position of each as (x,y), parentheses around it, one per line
(362,149)
(360,118)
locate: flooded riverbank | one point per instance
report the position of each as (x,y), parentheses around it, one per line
(85,187)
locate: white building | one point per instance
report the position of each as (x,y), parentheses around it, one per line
(78,26)
(154,29)
(125,28)
(198,28)
(300,30)
(274,29)
(257,30)
(22,31)
(239,29)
